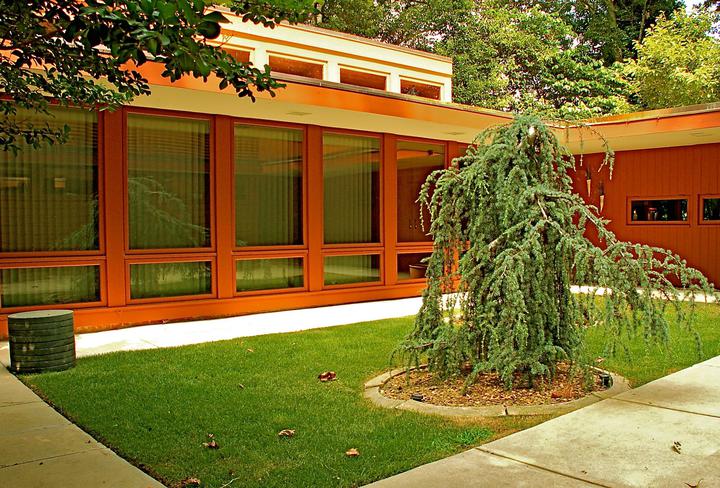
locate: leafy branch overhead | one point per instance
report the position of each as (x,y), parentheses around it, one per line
(87,53)
(511,238)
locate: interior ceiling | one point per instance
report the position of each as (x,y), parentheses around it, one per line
(438,122)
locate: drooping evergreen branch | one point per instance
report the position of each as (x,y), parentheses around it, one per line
(510,238)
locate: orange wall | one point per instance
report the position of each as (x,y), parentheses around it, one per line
(689,171)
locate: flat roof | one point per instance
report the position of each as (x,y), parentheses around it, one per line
(350,37)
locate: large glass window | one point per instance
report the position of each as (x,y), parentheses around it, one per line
(674,210)
(351,184)
(168,182)
(49,195)
(412,266)
(415,162)
(343,270)
(711,209)
(268,186)
(21,287)
(155,280)
(269,274)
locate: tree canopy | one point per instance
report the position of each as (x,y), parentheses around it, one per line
(558,59)
(87,53)
(678,63)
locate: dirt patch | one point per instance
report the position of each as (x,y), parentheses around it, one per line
(489,390)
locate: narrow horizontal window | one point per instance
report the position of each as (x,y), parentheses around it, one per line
(268,186)
(49,195)
(711,209)
(168,182)
(344,270)
(412,266)
(156,280)
(671,210)
(269,274)
(415,162)
(361,78)
(351,184)
(22,287)
(419,89)
(239,54)
(296,67)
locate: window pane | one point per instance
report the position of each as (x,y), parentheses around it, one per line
(168,182)
(21,287)
(268,274)
(415,162)
(48,196)
(268,186)
(659,210)
(170,279)
(342,270)
(711,209)
(351,168)
(411,266)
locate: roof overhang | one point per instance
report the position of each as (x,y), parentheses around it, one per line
(337,105)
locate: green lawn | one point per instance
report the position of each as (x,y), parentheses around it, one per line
(156,407)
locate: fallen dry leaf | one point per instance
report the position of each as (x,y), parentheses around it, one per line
(250,350)
(352,452)
(286,433)
(676,447)
(327,376)
(187,482)
(696,485)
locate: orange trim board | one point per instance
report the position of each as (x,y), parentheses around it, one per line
(339,98)
(105,318)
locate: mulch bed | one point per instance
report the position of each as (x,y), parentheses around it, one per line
(488,389)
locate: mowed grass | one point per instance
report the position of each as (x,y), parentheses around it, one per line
(156,407)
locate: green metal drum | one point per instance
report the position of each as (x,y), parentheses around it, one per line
(42,340)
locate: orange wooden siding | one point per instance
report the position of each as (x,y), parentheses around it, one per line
(652,174)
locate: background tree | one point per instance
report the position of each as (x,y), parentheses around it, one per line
(507,56)
(679,61)
(510,236)
(86,53)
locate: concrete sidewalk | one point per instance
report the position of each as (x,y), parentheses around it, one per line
(41,448)
(200,331)
(625,441)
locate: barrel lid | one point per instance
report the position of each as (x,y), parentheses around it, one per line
(41,315)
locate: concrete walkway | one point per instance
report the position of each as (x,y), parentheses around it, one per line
(625,441)
(40,448)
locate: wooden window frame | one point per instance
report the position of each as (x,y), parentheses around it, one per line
(356,69)
(56,262)
(701,208)
(277,255)
(211,184)
(300,59)
(353,246)
(100,162)
(418,81)
(631,199)
(304,188)
(170,259)
(446,165)
(356,252)
(426,250)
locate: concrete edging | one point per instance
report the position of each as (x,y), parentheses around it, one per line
(372,393)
